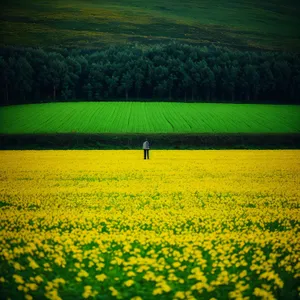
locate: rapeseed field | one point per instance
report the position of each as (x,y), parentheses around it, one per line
(182,225)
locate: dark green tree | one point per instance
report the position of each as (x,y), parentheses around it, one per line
(57,71)
(6,76)
(126,83)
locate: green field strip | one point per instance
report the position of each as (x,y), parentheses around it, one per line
(112,120)
(262,120)
(129,121)
(105,118)
(58,121)
(99,117)
(219,123)
(143,123)
(227,122)
(161,121)
(148,117)
(61,121)
(172,118)
(121,121)
(221,114)
(168,122)
(181,119)
(115,117)
(294,120)
(118,117)
(135,118)
(152,117)
(69,121)
(90,115)
(199,118)
(202,121)
(193,119)
(243,120)
(194,116)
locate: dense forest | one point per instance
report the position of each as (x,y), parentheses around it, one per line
(172,72)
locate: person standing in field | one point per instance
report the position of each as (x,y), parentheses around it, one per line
(146,148)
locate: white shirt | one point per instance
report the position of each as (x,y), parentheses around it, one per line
(146,145)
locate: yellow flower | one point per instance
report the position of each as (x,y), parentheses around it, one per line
(130,274)
(243,274)
(225,205)
(129,283)
(32,263)
(157,291)
(52,295)
(18,279)
(58,281)
(39,279)
(179,295)
(166,288)
(114,292)
(18,267)
(83,273)
(263,294)
(88,292)
(32,286)
(101,277)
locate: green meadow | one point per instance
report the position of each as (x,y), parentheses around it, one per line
(252,24)
(153,117)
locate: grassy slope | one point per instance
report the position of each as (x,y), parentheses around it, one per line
(142,117)
(269,24)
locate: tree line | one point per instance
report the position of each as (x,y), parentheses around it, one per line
(173,72)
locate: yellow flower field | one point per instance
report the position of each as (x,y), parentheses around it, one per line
(183,225)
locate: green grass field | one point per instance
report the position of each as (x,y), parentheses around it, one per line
(141,117)
(269,24)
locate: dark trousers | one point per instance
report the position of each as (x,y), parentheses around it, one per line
(146,153)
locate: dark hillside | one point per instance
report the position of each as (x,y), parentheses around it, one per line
(252,24)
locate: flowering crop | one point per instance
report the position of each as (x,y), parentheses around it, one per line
(183,225)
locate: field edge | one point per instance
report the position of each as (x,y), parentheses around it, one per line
(111,141)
